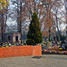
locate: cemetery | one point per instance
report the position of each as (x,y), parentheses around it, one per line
(33,33)
(36,22)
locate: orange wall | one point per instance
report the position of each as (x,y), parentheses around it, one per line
(20,51)
(37,50)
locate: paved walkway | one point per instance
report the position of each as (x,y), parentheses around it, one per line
(29,61)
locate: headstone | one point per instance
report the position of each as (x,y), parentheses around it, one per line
(9,44)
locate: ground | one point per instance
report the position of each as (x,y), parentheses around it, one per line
(47,60)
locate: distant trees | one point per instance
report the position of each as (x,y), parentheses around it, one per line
(62,38)
(43,11)
(58,14)
(65,3)
(48,12)
(34,34)
(3,16)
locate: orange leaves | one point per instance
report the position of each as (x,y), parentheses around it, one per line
(45,33)
(48,21)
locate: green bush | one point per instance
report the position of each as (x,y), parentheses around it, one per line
(30,42)
(34,32)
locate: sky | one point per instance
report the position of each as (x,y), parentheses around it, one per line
(63,26)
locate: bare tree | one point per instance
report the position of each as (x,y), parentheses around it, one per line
(47,11)
(65,1)
(3,16)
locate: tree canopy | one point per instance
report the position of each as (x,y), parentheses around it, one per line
(4,4)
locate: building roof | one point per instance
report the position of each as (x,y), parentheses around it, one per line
(11,32)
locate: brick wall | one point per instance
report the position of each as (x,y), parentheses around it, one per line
(37,50)
(20,51)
